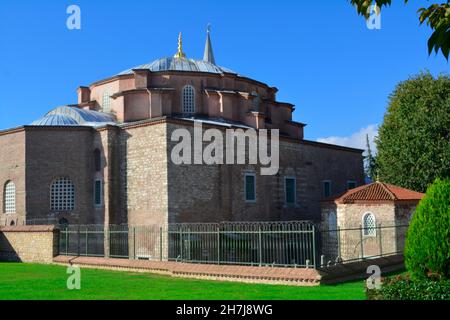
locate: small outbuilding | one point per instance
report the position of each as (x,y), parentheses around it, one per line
(368,221)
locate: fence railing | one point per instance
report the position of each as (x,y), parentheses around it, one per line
(357,243)
(275,244)
(284,244)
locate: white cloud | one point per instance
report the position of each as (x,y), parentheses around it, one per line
(356,140)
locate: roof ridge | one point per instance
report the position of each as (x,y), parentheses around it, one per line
(393,196)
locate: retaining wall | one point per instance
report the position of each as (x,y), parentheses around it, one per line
(31,244)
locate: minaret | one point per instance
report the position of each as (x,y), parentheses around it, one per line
(209,55)
(180,53)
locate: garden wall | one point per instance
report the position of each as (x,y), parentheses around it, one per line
(32,244)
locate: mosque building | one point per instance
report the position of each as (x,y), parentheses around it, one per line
(107,158)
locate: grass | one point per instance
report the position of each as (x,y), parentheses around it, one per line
(48,282)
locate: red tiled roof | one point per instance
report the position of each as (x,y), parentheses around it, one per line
(379,191)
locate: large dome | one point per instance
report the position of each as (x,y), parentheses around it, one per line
(180,64)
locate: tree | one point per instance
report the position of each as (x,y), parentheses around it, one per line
(427,251)
(371,166)
(414,140)
(437,16)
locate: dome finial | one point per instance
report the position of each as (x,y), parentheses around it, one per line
(209,54)
(180,53)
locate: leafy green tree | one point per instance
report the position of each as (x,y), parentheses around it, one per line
(437,16)
(414,140)
(427,251)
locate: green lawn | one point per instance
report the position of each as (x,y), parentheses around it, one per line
(41,282)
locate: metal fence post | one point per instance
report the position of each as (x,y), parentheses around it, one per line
(339,243)
(86,253)
(134,243)
(181,244)
(314,245)
(67,241)
(361,241)
(218,245)
(160,244)
(78,240)
(380,244)
(260,246)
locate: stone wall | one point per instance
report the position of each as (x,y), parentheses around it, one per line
(215,193)
(392,219)
(31,244)
(143,174)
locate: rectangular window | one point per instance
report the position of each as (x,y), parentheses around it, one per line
(106,102)
(290,190)
(98,193)
(351,185)
(250,187)
(327,189)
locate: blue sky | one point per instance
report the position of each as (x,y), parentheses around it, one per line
(320,55)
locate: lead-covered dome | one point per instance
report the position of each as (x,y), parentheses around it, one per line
(71,116)
(180,64)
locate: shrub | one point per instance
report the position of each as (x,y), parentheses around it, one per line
(427,249)
(403,288)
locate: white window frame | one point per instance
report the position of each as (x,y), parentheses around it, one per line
(351,181)
(97,205)
(323,188)
(9,197)
(69,206)
(250,174)
(372,231)
(285,190)
(188,100)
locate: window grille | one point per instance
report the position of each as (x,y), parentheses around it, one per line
(62,195)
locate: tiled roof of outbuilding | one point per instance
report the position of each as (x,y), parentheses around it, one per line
(379,191)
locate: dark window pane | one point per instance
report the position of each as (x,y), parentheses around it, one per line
(327,189)
(250,194)
(98,192)
(290,191)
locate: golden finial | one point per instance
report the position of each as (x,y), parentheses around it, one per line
(180,53)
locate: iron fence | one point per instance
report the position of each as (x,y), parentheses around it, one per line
(343,245)
(282,244)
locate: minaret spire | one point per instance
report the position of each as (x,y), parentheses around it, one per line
(209,54)
(180,53)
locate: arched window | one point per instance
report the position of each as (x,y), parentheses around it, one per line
(62,195)
(369,225)
(9,198)
(188,99)
(97,160)
(12,224)
(106,102)
(332,221)
(63,222)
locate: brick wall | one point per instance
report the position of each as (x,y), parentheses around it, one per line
(12,168)
(31,244)
(58,152)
